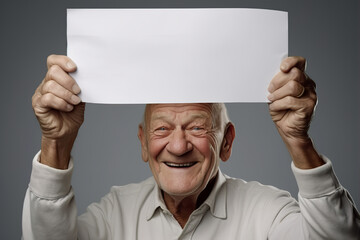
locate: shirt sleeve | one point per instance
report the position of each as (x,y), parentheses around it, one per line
(49,210)
(327,210)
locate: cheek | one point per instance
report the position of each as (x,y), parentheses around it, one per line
(209,148)
(156,146)
(205,146)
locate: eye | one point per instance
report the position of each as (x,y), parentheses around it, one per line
(161,131)
(197,130)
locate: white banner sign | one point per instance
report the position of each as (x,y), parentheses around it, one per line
(176,55)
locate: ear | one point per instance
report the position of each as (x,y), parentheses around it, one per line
(143,141)
(227,142)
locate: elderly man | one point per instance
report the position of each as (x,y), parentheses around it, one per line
(188,197)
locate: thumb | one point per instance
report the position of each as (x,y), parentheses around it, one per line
(62,61)
(288,63)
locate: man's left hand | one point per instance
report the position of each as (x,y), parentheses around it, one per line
(293,100)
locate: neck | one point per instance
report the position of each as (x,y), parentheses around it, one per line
(182,207)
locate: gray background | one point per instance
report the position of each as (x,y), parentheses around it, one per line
(107,151)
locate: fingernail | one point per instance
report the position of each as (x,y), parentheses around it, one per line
(283,67)
(270,97)
(75,99)
(71,64)
(69,107)
(76,89)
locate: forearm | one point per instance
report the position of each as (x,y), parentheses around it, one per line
(49,210)
(326,207)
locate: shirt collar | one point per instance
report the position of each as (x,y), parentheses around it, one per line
(216,200)
(155,201)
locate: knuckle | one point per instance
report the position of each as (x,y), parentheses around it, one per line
(38,89)
(34,100)
(50,59)
(311,101)
(289,100)
(314,97)
(295,72)
(46,99)
(294,86)
(49,86)
(49,100)
(52,71)
(310,106)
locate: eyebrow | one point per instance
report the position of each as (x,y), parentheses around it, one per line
(191,117)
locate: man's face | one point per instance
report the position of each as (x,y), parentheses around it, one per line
(182,147)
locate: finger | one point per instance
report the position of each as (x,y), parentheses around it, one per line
(49,100)
(57,74)
(281,79)
(292,88)
(288,63)
(293,103)
(56,89)
(63,61)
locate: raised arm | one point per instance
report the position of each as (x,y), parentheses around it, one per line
(326,208)
(49,210)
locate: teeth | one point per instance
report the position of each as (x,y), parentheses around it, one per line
(179,165)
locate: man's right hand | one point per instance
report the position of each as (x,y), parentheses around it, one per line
(59,111)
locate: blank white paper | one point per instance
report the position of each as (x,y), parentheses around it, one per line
(176,55)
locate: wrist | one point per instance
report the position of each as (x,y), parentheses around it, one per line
(55,152)
(304,154)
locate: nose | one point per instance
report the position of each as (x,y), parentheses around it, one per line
(178,144)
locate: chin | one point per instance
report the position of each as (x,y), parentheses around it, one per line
(182,188)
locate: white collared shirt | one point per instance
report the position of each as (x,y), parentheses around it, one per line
(235,209)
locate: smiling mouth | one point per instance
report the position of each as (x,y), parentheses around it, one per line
(180,165)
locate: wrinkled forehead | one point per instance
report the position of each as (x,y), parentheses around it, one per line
(216,113)
(155,111)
